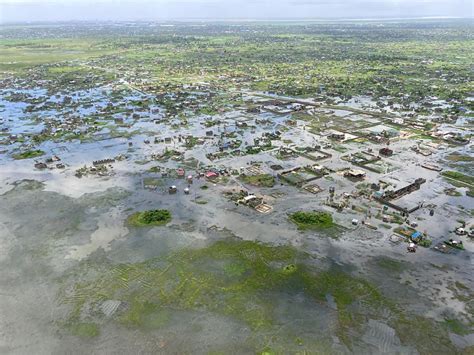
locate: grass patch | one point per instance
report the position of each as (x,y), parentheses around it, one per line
(85,330)
(232,278)
(149,218)
(312,220)
(261,180)
(456,326)
(152,182)
(460,180)
(425,242)
(459,177)
(28,154)
(456,157)
(144,314)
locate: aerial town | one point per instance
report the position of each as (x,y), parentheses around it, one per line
(252,188)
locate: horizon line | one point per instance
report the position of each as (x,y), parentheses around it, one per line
(275,19)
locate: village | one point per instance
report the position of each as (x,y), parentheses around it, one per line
(346,159)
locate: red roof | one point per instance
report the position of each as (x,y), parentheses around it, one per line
(211,174)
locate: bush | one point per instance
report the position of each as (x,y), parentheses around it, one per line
(28,154)
(312,220)
(150,218)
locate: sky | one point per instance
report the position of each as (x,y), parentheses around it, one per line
(163,10)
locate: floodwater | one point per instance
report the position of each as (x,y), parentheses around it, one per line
(75,278)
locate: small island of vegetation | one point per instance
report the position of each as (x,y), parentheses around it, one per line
(312,220)
(149,218)
(28,154)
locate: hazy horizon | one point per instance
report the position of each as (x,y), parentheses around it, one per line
(12,11)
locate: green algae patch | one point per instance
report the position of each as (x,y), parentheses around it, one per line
(28,154)
(312,220)
(149,218)
(85,330)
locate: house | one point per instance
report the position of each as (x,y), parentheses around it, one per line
(180,172)
(211,175)
(386,152)
(416,236)
(41,166)
(173,189)
(411,248)
(338,136)
(355,174)
(252,201)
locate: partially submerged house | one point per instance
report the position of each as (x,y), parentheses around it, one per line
(355,174)
(386,152)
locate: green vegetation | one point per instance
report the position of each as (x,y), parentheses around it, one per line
(425,242)
(262,180)
(85,330)
(312,220)
(457,327)
(154,169)
(149,218)
(458,176)
(456,157)
(238,279)
(452,192)
(460,180)
(28,154)
(18,55)
(455,245)
(145,314)
(461,286)
(152,182)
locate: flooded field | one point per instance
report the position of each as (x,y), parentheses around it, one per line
(208,219)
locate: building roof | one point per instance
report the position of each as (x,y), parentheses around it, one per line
(356,172)
(249,198)
(211,174)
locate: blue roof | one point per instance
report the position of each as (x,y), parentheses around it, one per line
(416,235)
